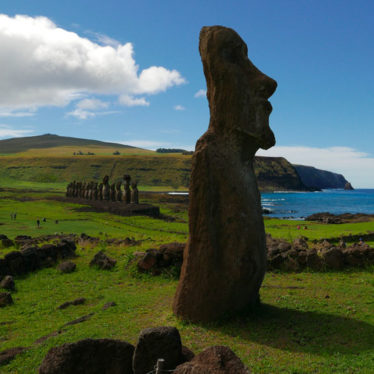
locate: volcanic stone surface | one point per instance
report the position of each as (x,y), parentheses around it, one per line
(154,343)
(89,356)
(225,258)
(214,360)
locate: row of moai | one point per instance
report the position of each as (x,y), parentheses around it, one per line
(105,191)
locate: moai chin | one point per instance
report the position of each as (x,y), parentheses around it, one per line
(134,193)
(225,258)
(126,189)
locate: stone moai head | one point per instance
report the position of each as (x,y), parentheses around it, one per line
(106,179)
(134,185)
(127,179)
(236,90)
(118,186)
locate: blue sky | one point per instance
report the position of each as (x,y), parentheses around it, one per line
(130,72)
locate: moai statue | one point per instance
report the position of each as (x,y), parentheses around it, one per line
(100,192)
(79,189)
(95,195)
(106,188)
(225,257)
(73,189)
(68,190)
(90,191)
(134,193)
(118,191)
(86,193)
(83,190)
(126,189)
(113,192)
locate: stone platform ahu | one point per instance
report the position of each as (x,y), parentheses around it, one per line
(225,257)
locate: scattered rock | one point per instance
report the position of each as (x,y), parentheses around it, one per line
(148,261)
(187,354)
(79,301)
(46,337)
(109,305)
(8,283)
(102,261)
(31,257)
(89,356)
(333,258)
(213,360)
(5,299)
(155,343)
(6,243)
(66,267)
(300,243)
(9,354)
(79,320)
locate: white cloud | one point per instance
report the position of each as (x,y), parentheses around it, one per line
(104,39)
(200,93)
(92,104)
(128,100)
(356,166)
(81,114)
(179,107)
(16,113)
(89,108)
(44,65)
(8,132)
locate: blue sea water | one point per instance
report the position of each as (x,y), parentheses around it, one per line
(296,205)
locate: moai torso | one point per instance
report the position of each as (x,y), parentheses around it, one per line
(106,188)
(134,193)
(95,192)
(100,192)
(118,191)
(113,192)
(127,191)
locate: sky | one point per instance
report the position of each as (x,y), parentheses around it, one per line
(130,72)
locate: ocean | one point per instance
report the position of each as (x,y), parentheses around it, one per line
(298,205)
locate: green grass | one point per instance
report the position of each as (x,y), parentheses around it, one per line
(310,322)
(288,229)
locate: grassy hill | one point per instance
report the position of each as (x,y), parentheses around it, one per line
(41,143)
(54,159)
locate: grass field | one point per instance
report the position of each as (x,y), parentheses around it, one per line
(310,322)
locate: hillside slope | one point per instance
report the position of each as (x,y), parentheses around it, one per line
(53,158)
(320,179)
(16,145)
(166,170)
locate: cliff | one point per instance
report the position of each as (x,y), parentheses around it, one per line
(320,179)
(276,173)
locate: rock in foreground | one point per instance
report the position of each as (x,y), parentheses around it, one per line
(155,343)
(89,356)
(214,360)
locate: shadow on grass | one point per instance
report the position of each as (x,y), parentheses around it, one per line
(298,331)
